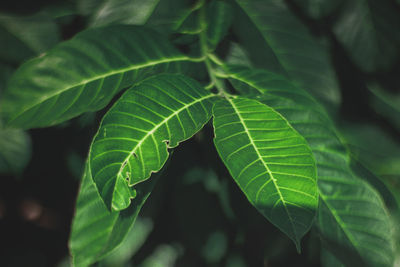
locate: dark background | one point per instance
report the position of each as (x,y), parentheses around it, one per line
(36,209)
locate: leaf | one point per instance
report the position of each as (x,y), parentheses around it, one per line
(320,8)
(135,134)
(25,37)
(352,217)
(15,151)
(95,230)
(134,12)
(270,162)
(368,31)
(219,19)
(83,74)
(279,42)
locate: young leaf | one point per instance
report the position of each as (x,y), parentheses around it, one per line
(135,134)
(270,162)
(95,230)
(279,42)
(83,74)
(352,215)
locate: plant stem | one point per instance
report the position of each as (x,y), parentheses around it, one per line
(205,53)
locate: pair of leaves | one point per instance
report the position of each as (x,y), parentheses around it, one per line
(83,74)
(352,217)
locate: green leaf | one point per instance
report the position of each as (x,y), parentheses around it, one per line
(135,134)
(15,151)
(95,230)
(83,74)
(25,37)
(279,42)
(270,162)
(320,8)
(219,19)
(368,29)
(352,217)
(122,12)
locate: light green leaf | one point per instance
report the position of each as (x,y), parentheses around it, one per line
(135,134)
(279,42)
(270,162)
(219,19)
(368,29)
(83,74)
(352,216)
(95,230)
(15,151)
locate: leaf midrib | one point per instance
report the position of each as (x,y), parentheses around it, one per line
(265,165)
(102,76)
(152,131)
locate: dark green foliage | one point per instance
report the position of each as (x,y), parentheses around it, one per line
(267,80)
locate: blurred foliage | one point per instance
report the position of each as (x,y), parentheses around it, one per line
(196,215)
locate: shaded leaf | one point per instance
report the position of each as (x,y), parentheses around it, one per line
(352,217)
(83,74)
(15,151)
(320,8)
(95,230)
(219,18)
(134,12)
(135,134)
(25,37)
(368,31)
(270,162)
(279,42)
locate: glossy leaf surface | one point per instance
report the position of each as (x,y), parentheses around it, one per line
(95,230)
(270,162)
(352,217)
(135,134)
(83,74)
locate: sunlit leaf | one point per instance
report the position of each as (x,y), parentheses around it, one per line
(270,162)
(83,74)
(135,134)
(352,217)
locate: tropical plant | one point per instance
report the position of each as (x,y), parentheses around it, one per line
(257,75)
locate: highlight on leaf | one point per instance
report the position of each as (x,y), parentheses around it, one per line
(270,162)
(135,134)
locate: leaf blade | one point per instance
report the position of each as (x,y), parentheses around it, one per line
(134,135)
(84,73)
(268,188)
(95,230)
(339,189)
